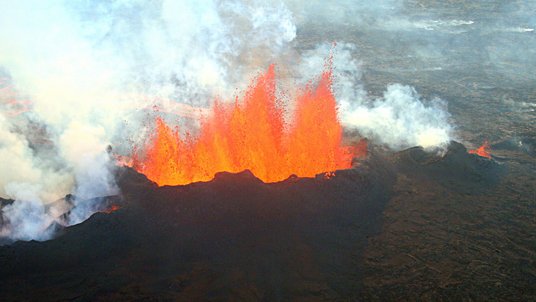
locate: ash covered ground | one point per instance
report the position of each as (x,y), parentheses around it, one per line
(404,225)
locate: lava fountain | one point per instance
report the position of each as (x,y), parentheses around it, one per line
(253,134)
(482,151)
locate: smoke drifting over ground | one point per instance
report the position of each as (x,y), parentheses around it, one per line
(83,75)
(460,36)
(398,120)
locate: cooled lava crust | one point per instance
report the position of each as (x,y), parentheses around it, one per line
(232,238)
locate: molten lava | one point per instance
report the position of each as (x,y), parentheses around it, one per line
(482,151)
(111,209)
(253,135)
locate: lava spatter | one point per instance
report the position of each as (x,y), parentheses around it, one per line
(253,134)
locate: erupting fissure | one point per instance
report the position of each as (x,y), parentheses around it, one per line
(252,134)
(482,151)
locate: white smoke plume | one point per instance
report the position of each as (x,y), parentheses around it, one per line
(400,119)
(27,216)
(79,76)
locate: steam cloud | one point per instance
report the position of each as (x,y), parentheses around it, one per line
(83,75)
(398,120)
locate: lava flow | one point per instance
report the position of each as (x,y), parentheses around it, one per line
(482,151)
(253,135)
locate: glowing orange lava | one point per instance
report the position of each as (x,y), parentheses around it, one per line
(252,134)
(111,209)
(482,151)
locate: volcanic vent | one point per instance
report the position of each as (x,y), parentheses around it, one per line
(232,237)
(253,134)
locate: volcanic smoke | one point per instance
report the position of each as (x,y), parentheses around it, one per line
(253,135)
(81,77)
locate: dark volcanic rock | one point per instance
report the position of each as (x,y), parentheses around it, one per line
(234,237)
(524,144)
(456,169)
(457,228)
(60,212)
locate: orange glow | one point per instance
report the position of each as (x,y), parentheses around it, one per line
(111,209)
(252,134)
(482,151)
(329,175)
(11,101)
(121,160)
